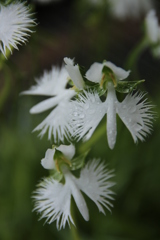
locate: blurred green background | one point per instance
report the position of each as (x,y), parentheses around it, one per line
(89,33)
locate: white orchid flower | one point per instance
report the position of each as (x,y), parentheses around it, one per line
(89,110)
(53,84)
(53,199)
(15,21)
(130,8)
(152,28)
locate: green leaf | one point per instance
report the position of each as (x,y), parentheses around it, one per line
(78,162)
(95,87)
(127,86)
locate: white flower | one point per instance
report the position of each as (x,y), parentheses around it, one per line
(129,8)
(153,32)
(53,84)
(152,27)
(53,199)
(15,21)
(74,73)
(89,110)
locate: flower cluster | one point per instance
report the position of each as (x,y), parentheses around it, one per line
(79,99)
(79,117)
(79,103)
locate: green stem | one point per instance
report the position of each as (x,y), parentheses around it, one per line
(135,54)
(6,88)
(95,137)
(74,232)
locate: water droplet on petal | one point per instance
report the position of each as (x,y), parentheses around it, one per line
(86,106)
(75,114)
(133,109)
(82,115)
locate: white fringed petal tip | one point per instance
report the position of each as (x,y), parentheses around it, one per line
(53,199)
(15,20)
(51,83)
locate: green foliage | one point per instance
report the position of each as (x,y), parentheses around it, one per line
(127,86)
(78,162)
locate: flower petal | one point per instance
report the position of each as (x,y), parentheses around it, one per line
(67,150)
(45,105)
(57,123)
(94,73)
(94,183)
(136,115)
(52,102)
(53,200)
(86,114)
(74,73)
(50,83)
(48,161)
(77,195)
(120,73)
(111,102)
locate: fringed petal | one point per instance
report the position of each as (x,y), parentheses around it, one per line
(51,83)
(137,115)
(52,201)
(94,183)
(57,123)
(87,112)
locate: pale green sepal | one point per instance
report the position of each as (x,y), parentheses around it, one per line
(127,86)
(58,155)
(56,175)
(78,162)
(60,160)
(108,76)
(95,87)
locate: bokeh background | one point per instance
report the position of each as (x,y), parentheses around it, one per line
(88,33)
